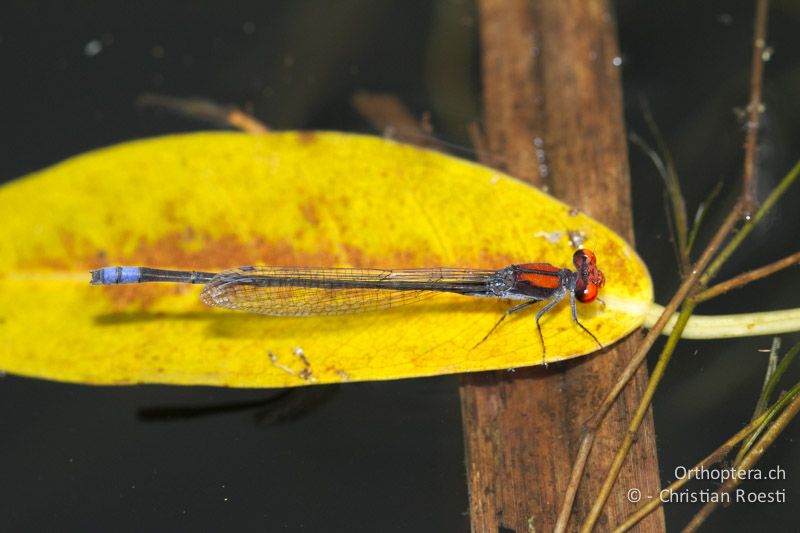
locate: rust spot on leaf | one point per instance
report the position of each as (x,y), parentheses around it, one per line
(307,137)
(310,213)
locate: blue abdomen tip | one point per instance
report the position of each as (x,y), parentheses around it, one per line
(116,275)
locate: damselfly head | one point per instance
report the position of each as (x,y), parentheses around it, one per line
(590,278)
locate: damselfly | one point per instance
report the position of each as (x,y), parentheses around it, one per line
(310,291)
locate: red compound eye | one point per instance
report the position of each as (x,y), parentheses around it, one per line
(601,279)
(584,257)
(587,293)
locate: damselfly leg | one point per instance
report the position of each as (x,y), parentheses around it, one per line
(511,311)
(575,319)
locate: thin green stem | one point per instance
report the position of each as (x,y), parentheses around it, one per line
(700,216)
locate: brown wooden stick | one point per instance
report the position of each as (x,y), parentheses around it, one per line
(550,82)
(206,110)
(747,277)
(244,122)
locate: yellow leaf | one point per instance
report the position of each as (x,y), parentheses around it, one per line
(212,201)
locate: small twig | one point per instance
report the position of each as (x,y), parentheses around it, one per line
(755,107)
(747,277)
(749,460)
(247,123)
(387,114)
(206,110)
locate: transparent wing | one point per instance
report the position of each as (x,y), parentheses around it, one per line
(301,291)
